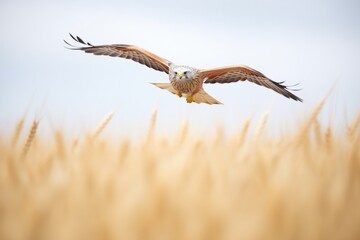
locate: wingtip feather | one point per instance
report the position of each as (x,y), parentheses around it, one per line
(80,40)
(72,37)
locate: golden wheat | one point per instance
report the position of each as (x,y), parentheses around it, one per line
(261,126)
(102,125)
(353,128)
(183,132)
(304,132)
(30,137)
(187,186)
(152,126)
(17,131)
(243,132)
(317,132)
(60,144)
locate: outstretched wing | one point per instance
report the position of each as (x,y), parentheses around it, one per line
(124,51)
(242,73)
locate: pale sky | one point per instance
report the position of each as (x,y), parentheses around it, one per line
(313,43)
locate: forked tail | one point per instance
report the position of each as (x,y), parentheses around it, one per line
(199,97)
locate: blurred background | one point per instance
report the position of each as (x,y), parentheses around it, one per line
(313,43)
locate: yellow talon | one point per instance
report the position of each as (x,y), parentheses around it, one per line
(189,99)
(179,93)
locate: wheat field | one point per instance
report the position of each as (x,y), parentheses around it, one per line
(304,184)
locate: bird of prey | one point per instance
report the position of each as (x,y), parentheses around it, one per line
(185,81)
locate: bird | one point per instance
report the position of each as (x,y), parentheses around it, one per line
(184,81)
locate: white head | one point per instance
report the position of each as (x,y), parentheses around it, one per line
(181,73)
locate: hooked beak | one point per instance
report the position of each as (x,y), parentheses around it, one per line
(180,74)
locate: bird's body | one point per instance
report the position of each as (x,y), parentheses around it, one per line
(182,81)
(185,81)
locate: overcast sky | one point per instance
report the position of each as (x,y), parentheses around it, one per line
(314,43)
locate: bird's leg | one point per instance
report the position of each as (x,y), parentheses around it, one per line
(189,99)
(179,93)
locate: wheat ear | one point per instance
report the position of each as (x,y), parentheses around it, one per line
(317,132)
(243,132)
(329,138)
(17,131)
(183,132)
(261,125)
(305,129)
(152,125)
(30,137)
(351,130)
(102,125)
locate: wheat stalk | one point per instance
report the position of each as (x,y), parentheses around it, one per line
(183,132)
(124,150)
(102,125)
(30,137)
(152,126)
(351,130)
(317,132)
(17,131)
(329,139)
(60,143)
(74,144)
(303,132)
(261,126)
(243,132)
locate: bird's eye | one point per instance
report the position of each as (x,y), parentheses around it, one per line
(175,73)
(186,72)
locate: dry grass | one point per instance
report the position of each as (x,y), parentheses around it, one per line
(304,185)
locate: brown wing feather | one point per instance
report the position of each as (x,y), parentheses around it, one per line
(124,51)
(242,73)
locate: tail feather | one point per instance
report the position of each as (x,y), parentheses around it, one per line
(199,97)
(203,97)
